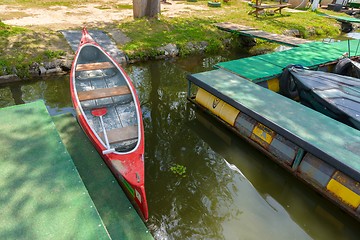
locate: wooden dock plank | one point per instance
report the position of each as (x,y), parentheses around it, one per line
(233,27)
(273,37)
(252,32)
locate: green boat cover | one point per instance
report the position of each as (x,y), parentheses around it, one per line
(329,140)
(42,194)
(264,67)
(254,68)
(341,18)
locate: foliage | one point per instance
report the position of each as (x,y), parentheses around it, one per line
(124,6)
(159,32)
(6,31)
(53,54)
(17,64)
(179,170)
(20,48)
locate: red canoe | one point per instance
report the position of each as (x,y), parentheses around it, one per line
(108,109)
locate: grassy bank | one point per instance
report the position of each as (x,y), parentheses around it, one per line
(155,33)
(22,46)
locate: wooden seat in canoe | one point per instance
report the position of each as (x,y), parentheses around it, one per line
(121,134)
(94,66)
(103,93)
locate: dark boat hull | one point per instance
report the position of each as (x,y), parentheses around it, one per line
(334,95)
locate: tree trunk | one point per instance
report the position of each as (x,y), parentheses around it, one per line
(146,8)
(139,7)
(153,8)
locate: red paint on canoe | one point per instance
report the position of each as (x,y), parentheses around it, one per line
(132,170)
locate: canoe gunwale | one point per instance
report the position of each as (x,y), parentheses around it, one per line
(135,100)
(127,166)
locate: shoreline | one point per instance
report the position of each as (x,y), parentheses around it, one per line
(62,65)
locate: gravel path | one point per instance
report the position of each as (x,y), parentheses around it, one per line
(99,14)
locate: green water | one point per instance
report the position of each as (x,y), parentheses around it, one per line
(229,189)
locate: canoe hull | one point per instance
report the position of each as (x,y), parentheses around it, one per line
(98,82)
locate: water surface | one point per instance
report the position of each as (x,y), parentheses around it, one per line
(229,191)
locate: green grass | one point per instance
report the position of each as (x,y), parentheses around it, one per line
(160,32)
(7,31)
(53,54)
(124,6)
(148,35)
(7,62)
(20,47)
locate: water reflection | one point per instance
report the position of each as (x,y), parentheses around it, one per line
(215,200)
(53,91)
(231,191)
(315,215)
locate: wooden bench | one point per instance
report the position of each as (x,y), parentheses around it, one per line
(121,134)
(103,93)
(94,66)
(258,7)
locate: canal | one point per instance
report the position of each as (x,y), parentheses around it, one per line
(228,190)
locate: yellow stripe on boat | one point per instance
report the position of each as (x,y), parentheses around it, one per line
(344,193)
(262,135)
(218,107)
(273,85)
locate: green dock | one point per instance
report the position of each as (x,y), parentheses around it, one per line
(342,18)
(315,148)
(312,55)
(54,184)
(266,69)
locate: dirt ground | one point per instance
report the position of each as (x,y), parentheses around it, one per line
(102,13)
(46,22)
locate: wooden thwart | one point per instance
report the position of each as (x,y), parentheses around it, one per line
(94,66)
(103,93)
(121,134)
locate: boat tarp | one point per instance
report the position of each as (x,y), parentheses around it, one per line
(328,139)
(42,194)
(264,67)
(254,68)
(342,18)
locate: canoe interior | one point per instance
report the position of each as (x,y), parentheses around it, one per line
(100,84)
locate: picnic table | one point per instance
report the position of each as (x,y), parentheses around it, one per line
(259,7)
